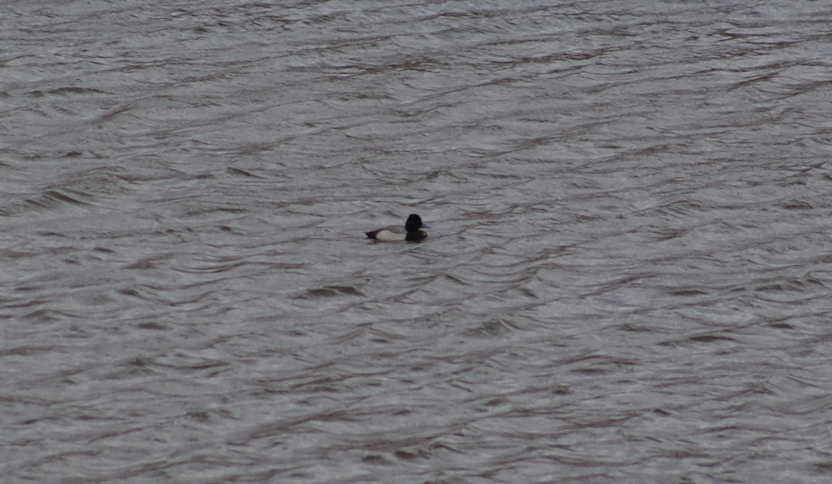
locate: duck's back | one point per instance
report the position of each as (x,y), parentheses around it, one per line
(388,234)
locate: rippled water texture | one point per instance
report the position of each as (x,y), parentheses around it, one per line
(627,277)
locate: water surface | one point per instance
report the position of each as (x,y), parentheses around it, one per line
(627,279)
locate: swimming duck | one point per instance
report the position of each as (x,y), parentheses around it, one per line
(410,232)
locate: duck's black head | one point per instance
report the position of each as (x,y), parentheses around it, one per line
(414,223)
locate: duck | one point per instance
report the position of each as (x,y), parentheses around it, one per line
(410,232)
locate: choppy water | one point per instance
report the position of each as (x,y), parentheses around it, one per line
(627,280)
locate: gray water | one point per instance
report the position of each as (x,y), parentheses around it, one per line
(627,278)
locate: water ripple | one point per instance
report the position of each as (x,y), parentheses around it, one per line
(626,279)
